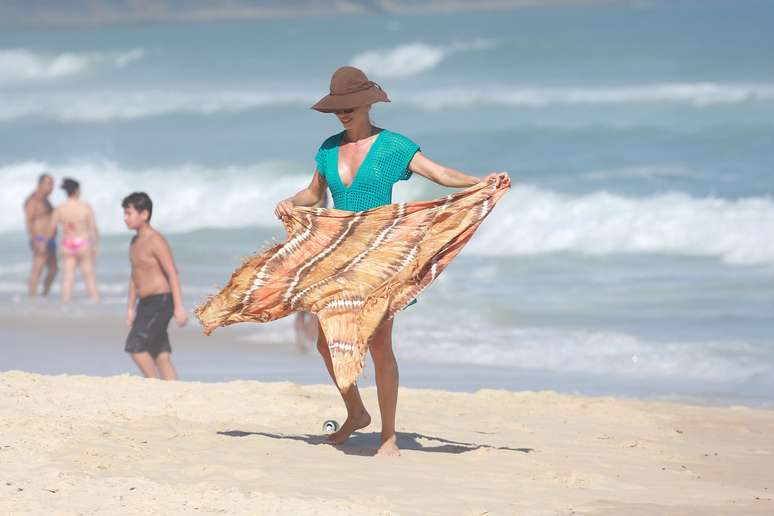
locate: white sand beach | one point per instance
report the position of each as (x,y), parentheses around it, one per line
(125,445)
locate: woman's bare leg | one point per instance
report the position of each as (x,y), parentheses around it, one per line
(87,272)
(357,415)
(387,379)
(68,277)
(164,365)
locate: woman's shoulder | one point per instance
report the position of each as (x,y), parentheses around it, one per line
(329,145)
(399,141)
(331,141)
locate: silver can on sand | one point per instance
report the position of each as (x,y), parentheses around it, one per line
(330,426)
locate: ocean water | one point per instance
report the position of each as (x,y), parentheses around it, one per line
(634,254)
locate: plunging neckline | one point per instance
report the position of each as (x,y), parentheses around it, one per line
(362,163)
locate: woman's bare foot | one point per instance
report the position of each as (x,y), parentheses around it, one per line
(362,420)
(389,447)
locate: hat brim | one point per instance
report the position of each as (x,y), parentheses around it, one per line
(333,103)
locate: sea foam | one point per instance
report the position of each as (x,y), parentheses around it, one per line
(21,65)
(560,351)
(108,105)
(527,221)
(186,198)
(413,58)
(696,94)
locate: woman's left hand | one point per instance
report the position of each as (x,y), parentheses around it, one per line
(499,178)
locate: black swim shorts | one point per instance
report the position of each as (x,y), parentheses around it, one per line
(149,329)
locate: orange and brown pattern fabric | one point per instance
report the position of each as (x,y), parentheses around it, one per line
(353,269)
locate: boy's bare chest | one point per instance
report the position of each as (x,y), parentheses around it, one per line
(141,255)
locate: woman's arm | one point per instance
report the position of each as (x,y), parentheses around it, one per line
(93,233)
(445,176)
(309,196)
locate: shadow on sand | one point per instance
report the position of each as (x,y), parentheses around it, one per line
(366,443)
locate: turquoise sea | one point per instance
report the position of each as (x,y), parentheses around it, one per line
(633,256)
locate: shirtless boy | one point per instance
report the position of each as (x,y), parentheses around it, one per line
(156,283)
(37,218)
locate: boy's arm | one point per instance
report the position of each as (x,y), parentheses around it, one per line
(163,254)
(131,301)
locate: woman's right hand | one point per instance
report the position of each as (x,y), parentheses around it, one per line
(283,208)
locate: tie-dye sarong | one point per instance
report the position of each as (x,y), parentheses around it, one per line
(353,269)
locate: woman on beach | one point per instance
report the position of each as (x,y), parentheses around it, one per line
(79,240)
(360,165)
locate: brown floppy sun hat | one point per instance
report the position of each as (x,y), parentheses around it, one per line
(350,88)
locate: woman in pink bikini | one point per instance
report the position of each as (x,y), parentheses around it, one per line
(79,240)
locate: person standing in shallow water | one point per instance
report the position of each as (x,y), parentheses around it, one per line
(79,240)
(360,165)
(37,218)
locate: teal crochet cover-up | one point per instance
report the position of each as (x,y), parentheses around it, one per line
(385,164)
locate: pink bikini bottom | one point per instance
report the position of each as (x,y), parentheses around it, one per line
(75,244)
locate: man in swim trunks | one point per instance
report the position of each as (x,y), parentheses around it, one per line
(37,218)
(156,283)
